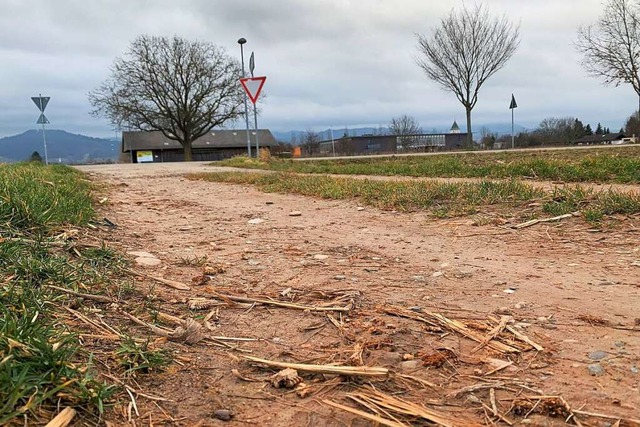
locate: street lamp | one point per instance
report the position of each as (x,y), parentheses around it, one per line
(242,41)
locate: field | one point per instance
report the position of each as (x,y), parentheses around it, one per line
(399,301)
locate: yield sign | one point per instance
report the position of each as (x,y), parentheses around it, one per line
(253,86)
(513,103)
(41,102)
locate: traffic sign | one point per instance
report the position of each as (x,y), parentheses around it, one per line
(42,120)
(513,103)
(253,86)
(41,102)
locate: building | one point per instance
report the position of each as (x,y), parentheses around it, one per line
(608,138)
(386,144)
(153,146)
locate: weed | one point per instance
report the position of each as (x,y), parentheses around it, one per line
(140,358)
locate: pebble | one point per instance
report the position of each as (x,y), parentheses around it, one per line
(409,365)
(437,274)
(597,355)
(360,208)
(595,369)
(255,221)
(320,257)
(503,310)
(509,291)
(269,203)
(223,414)
(253,262)
(340,277)
(634,370)
(416,308)
(295,213)
(419,278)
(148,261)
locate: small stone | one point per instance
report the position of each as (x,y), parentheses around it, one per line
(407,356)
(437,274)
(543,319)
(419,278)
(595,369)
(634,370)
(416,308)
(223,414)
(295,213)
(253,262)
(445,265)
(597,355)
(503,310)
(509,291)
(501,283)
(340,277)
(409,365)
(148,261)
(269,203)
(255,221)
(320,257)
(360,208)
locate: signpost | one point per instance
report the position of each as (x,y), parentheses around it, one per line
(512,107)
(41,102)
(253,86)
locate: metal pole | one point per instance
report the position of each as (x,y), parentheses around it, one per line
(44,138)
(512,136)
(333,144)
(255,121)
(246,107)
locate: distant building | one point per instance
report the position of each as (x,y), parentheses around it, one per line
(387,144)
(608,138)
(153,146)
(455,128)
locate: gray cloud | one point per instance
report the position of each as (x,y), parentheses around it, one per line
(329,62)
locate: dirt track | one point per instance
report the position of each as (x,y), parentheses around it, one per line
(574,290)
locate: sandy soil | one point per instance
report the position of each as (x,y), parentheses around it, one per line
(571,289)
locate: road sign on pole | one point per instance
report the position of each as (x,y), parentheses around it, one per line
(512,107)
(252,86)
(41,102)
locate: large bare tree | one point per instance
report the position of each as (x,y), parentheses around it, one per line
(402,127)
(467,48)
(179,87)
(611,46)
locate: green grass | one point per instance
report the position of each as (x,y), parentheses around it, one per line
(611,165)
(42,365)
(35,197)
(443,199)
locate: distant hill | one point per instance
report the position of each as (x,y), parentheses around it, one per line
(62,147)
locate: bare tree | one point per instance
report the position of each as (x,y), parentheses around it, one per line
(466,49)
(402,127)
(178,87)
(611,47)
(310,143)
(557,130)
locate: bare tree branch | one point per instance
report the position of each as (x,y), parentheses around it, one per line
(178,87)
(466,49)
(611,46)
(404,126)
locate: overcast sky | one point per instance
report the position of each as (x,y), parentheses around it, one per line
(329,63)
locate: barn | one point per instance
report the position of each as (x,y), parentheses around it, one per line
(153,146)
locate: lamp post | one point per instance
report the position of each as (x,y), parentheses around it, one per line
(242,41)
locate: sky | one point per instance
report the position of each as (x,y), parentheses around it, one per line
(329,63)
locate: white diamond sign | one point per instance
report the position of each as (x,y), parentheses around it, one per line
(253,86)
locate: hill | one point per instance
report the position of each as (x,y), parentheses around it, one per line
(62,147)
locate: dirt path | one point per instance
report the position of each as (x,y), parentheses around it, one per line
(573,290)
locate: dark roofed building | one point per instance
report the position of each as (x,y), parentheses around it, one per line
(609,138)
(153,146)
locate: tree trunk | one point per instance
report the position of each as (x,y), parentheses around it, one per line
(469,133)
(187,150)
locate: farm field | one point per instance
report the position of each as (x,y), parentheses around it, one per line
(467,312)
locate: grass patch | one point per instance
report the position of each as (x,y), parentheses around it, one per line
(42,366)
(443,199)
(447,199)
(611,165)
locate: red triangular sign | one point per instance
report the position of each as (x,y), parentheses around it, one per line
(253,86)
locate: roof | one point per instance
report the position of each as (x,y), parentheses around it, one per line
(216,138)
(454,126)
(601,138)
